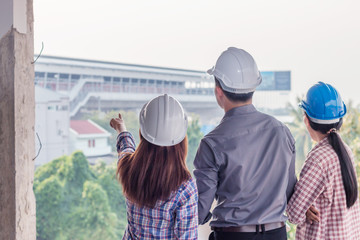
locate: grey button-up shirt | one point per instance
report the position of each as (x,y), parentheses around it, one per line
(247,164)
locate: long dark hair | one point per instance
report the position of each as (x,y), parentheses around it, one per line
(153,172)
(347,168)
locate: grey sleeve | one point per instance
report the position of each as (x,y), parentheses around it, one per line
(292,174)
(206,174)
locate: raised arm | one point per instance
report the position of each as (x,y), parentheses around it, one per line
(125,143)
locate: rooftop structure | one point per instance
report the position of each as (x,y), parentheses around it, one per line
(87,136)
(86,127)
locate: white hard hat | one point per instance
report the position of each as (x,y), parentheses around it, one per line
(237,71)
(163,121)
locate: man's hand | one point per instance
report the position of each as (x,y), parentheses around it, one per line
(312,215)
(118,124)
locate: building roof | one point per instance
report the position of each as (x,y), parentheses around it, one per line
(86,127)
(46,59)
(46,95)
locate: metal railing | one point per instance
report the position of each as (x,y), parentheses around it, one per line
(88,86)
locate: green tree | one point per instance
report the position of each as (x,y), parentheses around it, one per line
(350,132)
(73,173)
(49,195)
(93,219)
(303,142)
(76,201)
(107,180)
(351,126)
(194,135)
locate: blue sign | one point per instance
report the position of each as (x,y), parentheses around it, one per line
(275,81)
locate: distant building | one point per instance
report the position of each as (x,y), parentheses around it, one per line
(273,94)
(52,124)
(70,88)
(87,136)
(104,86)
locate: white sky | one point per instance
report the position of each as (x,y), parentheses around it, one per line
(317,40)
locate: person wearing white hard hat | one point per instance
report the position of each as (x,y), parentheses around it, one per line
(328,181)
(161,196)
(247,163)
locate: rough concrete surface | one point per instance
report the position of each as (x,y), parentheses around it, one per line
(7,139)
(17,117)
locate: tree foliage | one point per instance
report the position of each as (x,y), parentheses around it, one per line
(303,142)
(93,218)
(194,135)
(49,196)
(77,201)
(350,133)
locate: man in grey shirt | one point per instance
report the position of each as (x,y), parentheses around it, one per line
(247,163)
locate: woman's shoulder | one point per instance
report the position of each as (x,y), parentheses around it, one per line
(325,156)
(322,153)
(188,189)
(188,185)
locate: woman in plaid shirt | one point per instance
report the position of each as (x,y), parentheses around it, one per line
(161,196)
(326,192)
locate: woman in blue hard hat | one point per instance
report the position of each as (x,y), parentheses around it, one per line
(161,196)
(327,191)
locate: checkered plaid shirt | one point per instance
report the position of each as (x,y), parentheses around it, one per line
(321,185)
(175,218)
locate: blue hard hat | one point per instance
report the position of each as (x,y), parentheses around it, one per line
(323,104)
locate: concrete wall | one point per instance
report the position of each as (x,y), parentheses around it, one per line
(17,103)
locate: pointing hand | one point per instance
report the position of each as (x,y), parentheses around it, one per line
(118,124)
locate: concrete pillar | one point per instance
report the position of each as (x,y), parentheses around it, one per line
(17,116)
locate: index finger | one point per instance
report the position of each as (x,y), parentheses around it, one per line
(120,116)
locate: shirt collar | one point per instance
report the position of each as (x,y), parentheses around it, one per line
(240,110)
(322,142)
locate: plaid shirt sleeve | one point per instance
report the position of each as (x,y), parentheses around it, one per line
(125,144)
(310,185)
(186,225)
